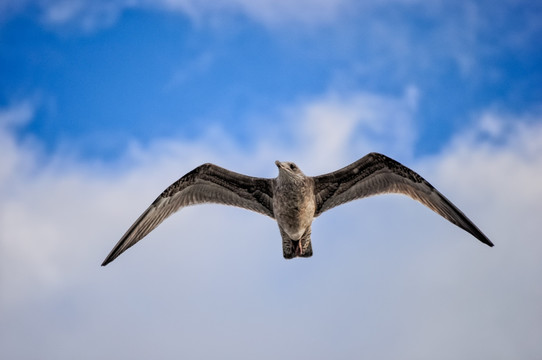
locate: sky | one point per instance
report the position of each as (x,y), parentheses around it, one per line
(103,104)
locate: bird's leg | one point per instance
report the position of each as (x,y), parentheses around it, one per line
(299,250)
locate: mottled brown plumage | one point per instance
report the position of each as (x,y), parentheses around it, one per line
(292,198)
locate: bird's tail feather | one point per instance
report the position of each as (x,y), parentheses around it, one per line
(296,248)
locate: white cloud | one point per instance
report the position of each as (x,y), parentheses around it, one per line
(389,278)
(97,13)
(400,37)
(263,11)
(10,119)
(335,127)
(471,15)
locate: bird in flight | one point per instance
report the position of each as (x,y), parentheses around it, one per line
(292,198)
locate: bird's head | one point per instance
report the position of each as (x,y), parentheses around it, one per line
(289,169)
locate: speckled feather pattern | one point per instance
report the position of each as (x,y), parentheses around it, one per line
(293,199)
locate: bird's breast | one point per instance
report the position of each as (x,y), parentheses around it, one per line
(294,207)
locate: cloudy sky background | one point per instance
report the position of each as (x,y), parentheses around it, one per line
(105,103)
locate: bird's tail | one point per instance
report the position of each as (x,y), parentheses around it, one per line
(296,248)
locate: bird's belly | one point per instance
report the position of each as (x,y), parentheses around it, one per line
(295,220)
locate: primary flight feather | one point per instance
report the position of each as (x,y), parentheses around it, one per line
(292,198)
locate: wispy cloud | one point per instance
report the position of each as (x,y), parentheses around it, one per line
(265,11)
(11,119)
(385,270)
(96,13)
(472,16)
(333,127)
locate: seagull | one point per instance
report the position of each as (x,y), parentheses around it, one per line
(292,198)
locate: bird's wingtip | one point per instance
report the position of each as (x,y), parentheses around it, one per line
(485,240)
(108,259)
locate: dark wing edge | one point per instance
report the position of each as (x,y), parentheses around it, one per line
(207,183)
(376,174)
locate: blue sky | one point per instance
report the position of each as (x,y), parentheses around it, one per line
(150,73)
(105,103)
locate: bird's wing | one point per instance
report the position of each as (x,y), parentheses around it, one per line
(378,174)
(207,183)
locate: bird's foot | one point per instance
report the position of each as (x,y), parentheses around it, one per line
(299,249)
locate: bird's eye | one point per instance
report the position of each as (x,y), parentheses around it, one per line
(292,166)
